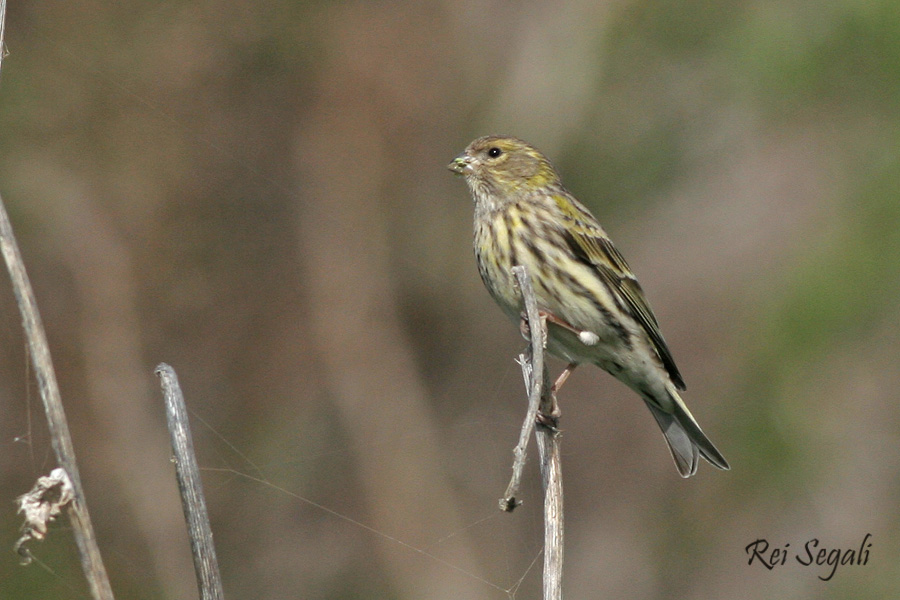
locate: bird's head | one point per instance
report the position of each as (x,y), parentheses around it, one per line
(503,166)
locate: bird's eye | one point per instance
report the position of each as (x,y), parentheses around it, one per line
(495,152)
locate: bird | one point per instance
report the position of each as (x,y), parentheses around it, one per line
(595,309)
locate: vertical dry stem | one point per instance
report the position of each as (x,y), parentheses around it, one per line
(551,475)
(83,531)
(534,370)
(532,360)
(209,581)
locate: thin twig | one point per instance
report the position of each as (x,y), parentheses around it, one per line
(2,32)
(534,370)
(535,360)
(206,566)
(83,531)
(551,476)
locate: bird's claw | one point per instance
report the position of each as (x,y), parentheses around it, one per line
(525,326)
(549,422)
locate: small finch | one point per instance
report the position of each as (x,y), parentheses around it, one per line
(595,309)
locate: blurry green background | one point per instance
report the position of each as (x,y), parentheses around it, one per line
(256,193)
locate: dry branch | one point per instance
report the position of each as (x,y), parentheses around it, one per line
(206,566)
(532,360)
(534,370)
(83,531)
(2,32)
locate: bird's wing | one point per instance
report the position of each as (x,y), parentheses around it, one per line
(591,245)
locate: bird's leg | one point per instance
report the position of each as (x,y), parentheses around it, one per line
(554,405)
(550,418)
(551,318)
(546,317)
(588,338)
(563,377)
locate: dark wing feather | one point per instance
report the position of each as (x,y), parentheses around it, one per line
(591,245)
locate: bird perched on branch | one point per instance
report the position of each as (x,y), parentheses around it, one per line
(594,307)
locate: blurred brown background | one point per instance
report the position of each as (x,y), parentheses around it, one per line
(256,193)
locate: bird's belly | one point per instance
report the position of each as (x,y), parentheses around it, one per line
(567,345)
(634,363)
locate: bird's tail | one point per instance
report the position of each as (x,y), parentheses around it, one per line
(686,440)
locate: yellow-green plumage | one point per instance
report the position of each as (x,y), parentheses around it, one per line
(524,216)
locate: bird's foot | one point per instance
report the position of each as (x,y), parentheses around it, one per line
(548,422)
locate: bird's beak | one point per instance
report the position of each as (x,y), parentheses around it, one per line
(461,164)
